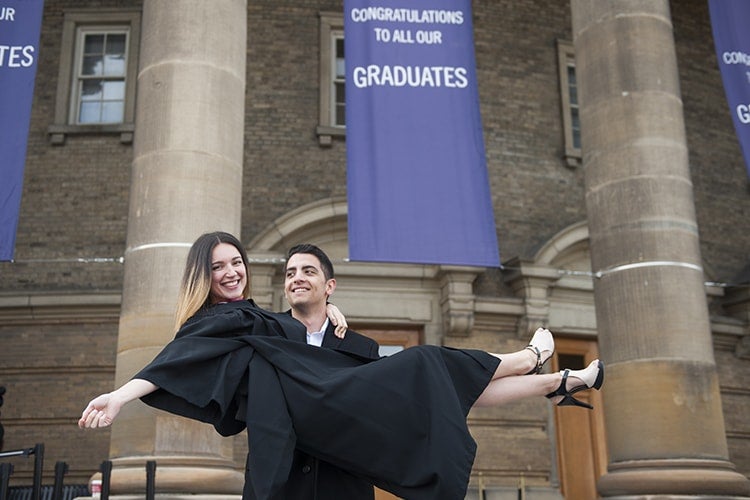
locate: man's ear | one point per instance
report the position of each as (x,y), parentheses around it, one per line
(330,286)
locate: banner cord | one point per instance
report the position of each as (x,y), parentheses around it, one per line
(279,260)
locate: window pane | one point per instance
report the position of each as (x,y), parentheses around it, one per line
(339,48)
(340,69)
(572,75)
(573,361)
(92,65)
(340,98)
(340,115)
(112,112)
(387,350)
(576,126)
(339,60)
(114,65)
(93,44)
(114,90)
(89,112)
(114,59)
(340,104)
(572,85)
(91,90)
(116,44)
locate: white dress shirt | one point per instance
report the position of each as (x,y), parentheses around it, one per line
(316,338)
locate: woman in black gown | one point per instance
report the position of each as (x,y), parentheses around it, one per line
(400,421)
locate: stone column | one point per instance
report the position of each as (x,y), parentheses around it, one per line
(663,413)
(186,180)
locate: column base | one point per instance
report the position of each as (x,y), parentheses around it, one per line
(673,479)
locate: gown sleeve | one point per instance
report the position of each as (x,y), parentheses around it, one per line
(202,372)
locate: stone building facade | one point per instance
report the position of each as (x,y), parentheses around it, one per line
(80,309)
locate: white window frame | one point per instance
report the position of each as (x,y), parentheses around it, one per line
(565,61)
(336,37)
(78,78)
(331,29)
(75,23)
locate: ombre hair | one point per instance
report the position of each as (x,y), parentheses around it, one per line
(196,280)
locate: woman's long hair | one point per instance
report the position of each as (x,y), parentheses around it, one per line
(196,280)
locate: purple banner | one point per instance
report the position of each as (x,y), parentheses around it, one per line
(729,21)
(416,169)
(20,24)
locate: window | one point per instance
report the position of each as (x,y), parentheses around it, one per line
(98,92)
(96,80)
(569,100)
(393,340)
(338,75)
(332,121)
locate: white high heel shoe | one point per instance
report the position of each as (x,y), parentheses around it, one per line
(542,341)
(592,377)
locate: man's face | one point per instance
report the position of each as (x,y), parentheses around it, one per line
(305,284)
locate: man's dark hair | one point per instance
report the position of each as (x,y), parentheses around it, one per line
(325,262)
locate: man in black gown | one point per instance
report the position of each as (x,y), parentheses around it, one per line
(308,284)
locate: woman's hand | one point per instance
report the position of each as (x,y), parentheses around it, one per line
(100,412)
(338,320)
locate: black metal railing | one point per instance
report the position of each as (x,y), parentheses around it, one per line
(59,491)
(7,470)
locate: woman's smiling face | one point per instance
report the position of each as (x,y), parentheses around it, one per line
(228,274)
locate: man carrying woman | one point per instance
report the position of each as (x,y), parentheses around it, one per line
(399,421)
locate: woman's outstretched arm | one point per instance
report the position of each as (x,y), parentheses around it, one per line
(102,410)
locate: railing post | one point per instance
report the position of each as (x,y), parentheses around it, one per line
(61,468)
(150,479)
(106,469)
(6,470)
(36,489)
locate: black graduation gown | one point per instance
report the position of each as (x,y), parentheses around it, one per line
(399,421)
(309,477)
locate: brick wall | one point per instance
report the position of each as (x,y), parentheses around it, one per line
(720,181)
(75,198)
(50,369)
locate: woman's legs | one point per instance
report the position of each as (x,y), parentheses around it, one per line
(522,362)
(510,381)
(512,388)
(514,363)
